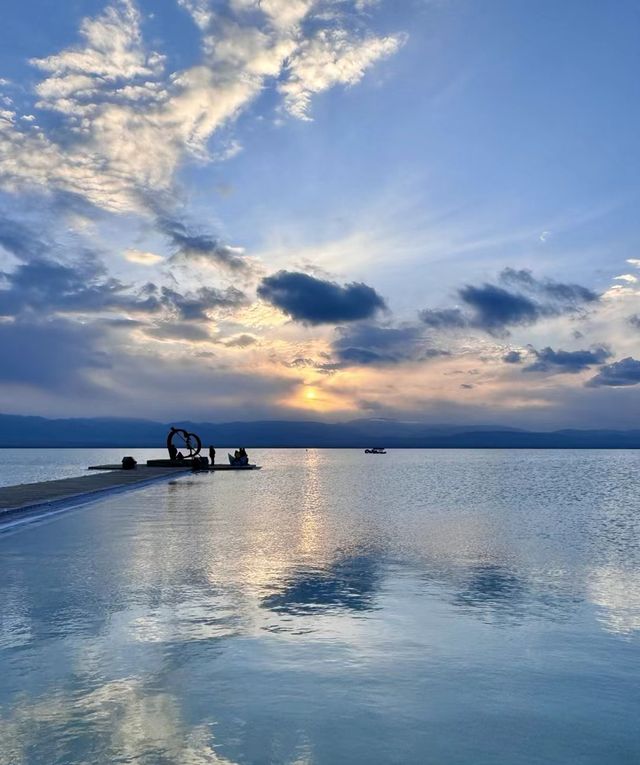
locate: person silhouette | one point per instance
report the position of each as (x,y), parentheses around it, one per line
(212,455)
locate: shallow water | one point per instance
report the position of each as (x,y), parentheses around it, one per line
(423,607)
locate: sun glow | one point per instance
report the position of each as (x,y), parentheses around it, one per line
(318,399)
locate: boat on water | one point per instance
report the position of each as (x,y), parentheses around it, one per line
(375,450)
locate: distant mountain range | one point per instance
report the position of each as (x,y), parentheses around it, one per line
(20,431)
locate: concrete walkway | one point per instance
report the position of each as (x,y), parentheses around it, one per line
(31,496)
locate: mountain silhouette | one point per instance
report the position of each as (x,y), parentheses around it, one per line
(24,431)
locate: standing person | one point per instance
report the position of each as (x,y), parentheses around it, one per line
(212,455)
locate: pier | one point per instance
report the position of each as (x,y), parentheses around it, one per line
(27,497)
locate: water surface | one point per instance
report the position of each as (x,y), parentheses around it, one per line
(436,607)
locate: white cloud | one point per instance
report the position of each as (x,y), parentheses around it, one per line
(112,48)
(286,13)
(331,58)
(130,125)
(200,11)
(142,258)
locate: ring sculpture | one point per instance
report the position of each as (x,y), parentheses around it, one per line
(180,439)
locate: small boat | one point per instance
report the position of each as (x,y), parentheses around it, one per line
(376,450)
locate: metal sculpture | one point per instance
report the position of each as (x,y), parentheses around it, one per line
(180,439)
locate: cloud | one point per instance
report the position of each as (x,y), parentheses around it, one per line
(112,50)
(141,257)
(19,240)
(512,357)
(124,125)
(44,287)
(181,330)
(495,308)
(317,301)
(243,340)
(194,306)
(111,102)
(445,318)
(330,58)
(518,300)
(53,355)
(301,362)
(619,374)
(566,294)
(568,362)
(283,14)
(203,249)
(375,345)
(200,11)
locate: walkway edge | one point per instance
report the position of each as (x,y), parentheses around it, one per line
(81,498)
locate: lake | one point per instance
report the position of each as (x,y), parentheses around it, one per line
(439,607)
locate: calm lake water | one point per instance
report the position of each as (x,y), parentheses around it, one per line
(438,607)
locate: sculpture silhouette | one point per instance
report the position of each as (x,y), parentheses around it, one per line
(179,438)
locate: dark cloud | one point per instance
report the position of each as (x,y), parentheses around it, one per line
(445,318)
(40,286)
(19,240)
(495,308)
(375,345)
(44,286)
(567,294)
(190,246)
(317,301)
(193,306)
(518,300)
(51,355)
(513,357)
(635,320)
(619,374)
(569,362)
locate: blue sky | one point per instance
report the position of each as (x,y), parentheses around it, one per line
(321,208)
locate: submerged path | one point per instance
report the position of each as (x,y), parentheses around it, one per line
(25,497)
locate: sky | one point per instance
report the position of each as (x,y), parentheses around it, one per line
(424,210)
